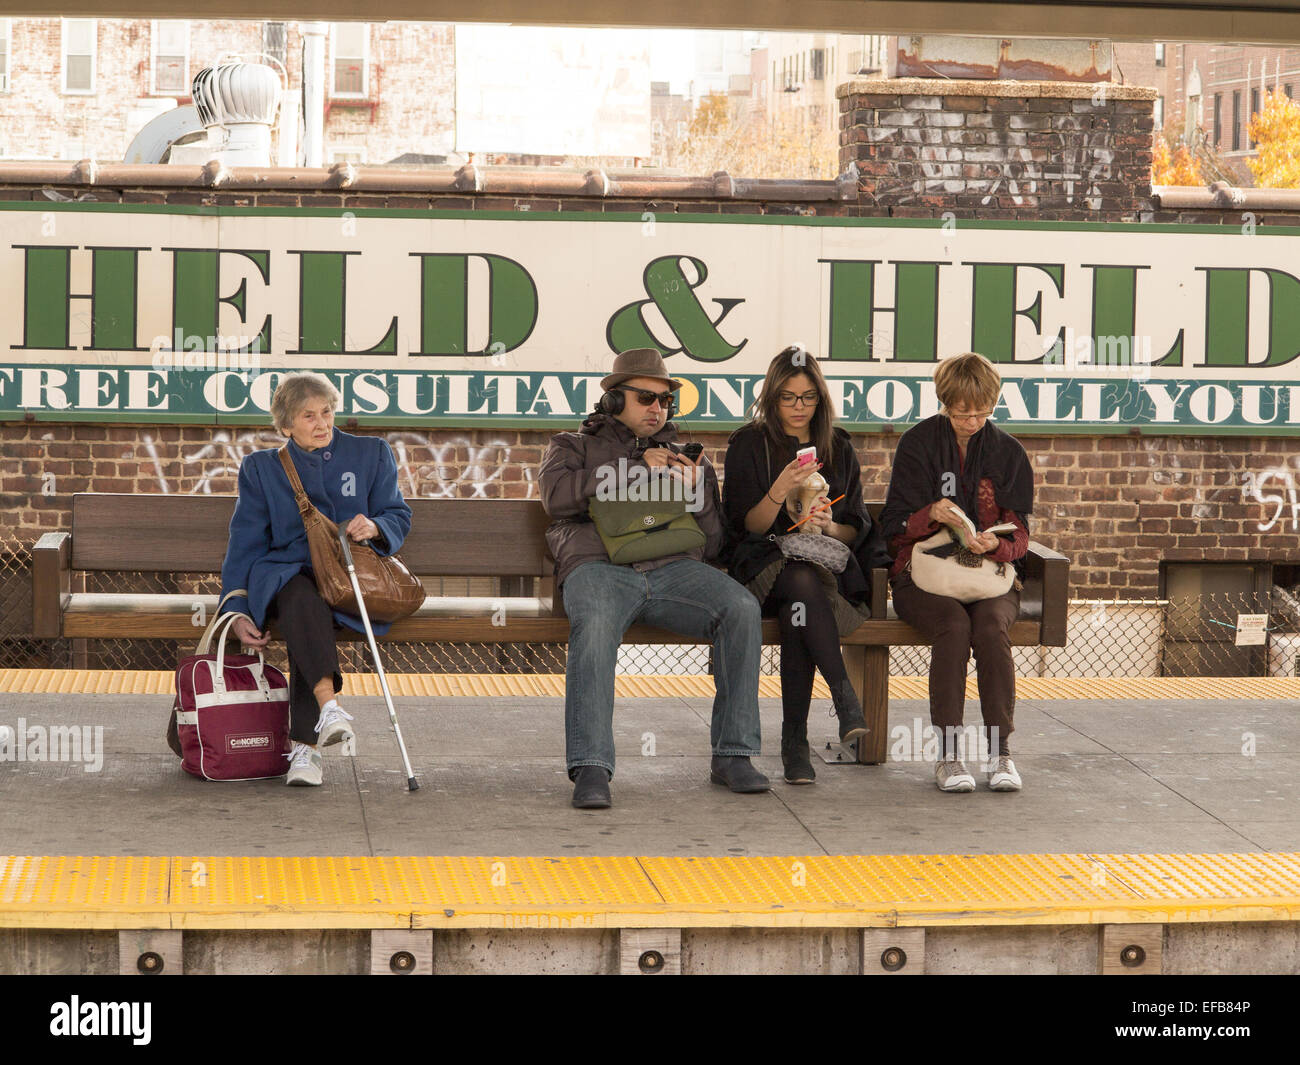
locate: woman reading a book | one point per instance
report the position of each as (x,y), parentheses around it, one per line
(957,469)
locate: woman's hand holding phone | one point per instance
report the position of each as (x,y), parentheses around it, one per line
(247,634)
(791,478)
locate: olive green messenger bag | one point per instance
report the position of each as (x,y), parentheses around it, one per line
(639,531)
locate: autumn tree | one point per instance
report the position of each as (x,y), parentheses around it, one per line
(787,145)
(1174,168)
(1276,133)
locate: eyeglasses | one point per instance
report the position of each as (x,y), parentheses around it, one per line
(666,399)
(789,399)
(981,416)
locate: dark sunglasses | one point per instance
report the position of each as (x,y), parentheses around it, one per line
(666,399)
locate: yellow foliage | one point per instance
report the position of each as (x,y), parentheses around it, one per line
(1276,133)
(1180,169)
(719,137)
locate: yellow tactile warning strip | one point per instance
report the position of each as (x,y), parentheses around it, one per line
(587,892)
(659,686)
(84,892)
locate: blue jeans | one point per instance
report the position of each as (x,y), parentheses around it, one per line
(687,597)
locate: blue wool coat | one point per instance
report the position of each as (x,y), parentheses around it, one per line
(268,545)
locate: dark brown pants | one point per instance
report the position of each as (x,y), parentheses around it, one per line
(307,625)
(955,629)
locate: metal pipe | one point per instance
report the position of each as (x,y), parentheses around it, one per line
(313,91)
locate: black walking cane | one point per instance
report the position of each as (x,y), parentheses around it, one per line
(411,784)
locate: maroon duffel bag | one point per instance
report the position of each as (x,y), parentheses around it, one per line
(231,713)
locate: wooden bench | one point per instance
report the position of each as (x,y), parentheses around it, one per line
(502,539)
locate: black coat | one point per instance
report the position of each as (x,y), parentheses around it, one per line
(750,472)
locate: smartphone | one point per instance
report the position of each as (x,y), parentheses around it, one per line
(692,451)
(806,455)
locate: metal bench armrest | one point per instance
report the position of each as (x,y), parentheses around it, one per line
(1047,576)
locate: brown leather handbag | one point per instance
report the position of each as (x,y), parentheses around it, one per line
(390,590)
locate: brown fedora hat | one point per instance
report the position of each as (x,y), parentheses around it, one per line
(638,362)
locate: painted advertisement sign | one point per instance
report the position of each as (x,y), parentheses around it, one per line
(166,314)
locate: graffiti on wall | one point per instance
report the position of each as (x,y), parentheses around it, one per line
(1013,171)
(427,468)
(1253,487)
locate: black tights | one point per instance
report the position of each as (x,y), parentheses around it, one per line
(809,637)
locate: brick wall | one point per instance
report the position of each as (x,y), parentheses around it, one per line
(980,149)
(1117,505)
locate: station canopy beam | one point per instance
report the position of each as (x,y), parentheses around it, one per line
(1240,21)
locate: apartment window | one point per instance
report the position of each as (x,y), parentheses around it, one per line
(347,153)
(1287,89)
(1218,119)
(1254,110)
(817,64)
(1236,120)
(275,41)
(350,48)
(5,35)
(79,55)
(1158,113)
(1160,54)
(171,57)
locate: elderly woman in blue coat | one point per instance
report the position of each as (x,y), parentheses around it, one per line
(351,480)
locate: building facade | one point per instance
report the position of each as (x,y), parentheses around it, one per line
(83,88)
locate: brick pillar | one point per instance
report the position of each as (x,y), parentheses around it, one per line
(999,149)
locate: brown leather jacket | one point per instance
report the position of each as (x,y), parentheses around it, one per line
(570,476)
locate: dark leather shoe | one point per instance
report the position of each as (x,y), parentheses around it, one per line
(738,773)
(847,708)
(796,759)
(591,788)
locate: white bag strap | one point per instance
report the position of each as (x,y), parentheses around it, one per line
(219,674)
(205,641)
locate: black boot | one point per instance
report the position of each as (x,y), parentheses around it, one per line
(847,708)
(795,756)
(591,788)
(738,773)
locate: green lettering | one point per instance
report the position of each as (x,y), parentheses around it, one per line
(994,310)
(1227,316)
(322,329)
(197,299)
(444,304)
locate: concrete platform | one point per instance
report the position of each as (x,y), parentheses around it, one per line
(1110,785)
(1100,777)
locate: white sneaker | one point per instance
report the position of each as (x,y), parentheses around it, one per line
(333,725)
(304,767)
(951,775)
(1003,775)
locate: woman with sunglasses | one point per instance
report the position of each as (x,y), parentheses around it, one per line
(814,606)
(957,462)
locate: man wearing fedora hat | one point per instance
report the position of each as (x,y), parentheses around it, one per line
(629,434)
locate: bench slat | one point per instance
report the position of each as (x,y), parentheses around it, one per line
(188,534)
(175,624)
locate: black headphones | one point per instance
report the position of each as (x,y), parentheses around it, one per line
(612,402)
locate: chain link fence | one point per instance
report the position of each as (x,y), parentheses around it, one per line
(1193,636)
